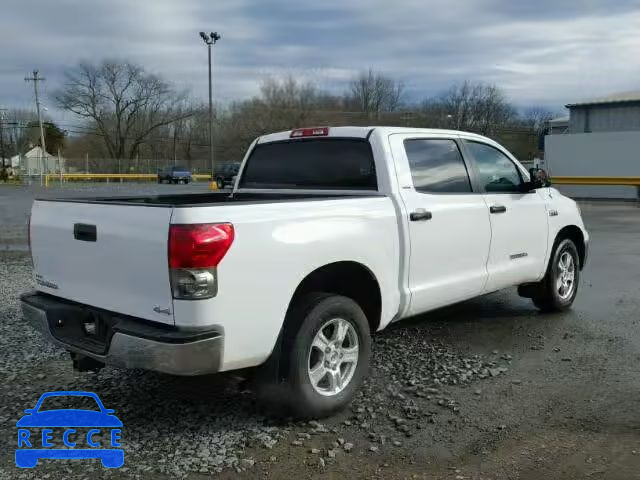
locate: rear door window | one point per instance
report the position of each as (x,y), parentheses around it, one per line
(437,166)
(322,164)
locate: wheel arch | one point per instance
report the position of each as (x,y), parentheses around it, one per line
(348,278)
(575,234)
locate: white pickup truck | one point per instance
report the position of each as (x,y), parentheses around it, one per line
(329,235)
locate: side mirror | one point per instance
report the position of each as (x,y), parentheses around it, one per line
(538,179)
(29,410)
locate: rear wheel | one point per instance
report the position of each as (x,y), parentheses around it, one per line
(559,287)
(328,355)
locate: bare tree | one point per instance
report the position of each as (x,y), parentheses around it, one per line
(375,93)
(20,130)
(471,106)
(536,117)
(122,102)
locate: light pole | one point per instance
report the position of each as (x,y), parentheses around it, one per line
(210,40)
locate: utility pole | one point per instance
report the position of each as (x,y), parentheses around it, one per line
(210,40)
(60,165)
(43,156)
(2,145)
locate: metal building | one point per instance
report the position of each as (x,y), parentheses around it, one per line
(616,113)
(558,125)
(602,140)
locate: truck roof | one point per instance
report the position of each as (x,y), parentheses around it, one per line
(363,132)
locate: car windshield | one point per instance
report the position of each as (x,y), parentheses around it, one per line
(69,402)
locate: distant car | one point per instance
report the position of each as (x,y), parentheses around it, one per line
(174,175)
(226,174)
(68,418)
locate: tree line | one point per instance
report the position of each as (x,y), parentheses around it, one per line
(125,113)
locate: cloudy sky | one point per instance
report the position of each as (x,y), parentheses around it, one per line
(548,52)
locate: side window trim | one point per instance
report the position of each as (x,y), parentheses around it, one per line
(470,158)
(471,172)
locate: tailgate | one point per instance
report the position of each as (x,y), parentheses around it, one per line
(108,256)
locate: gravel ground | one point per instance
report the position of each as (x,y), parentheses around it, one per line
(175,426)
(488,389)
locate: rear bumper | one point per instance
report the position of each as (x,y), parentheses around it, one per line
(126,342)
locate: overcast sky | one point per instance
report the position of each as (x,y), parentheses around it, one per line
(548,52)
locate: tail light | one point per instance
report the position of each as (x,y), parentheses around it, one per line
(195,250)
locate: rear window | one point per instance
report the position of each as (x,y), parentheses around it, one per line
(322,164)
(180,169)
(64,402)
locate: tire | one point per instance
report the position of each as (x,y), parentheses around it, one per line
(548,295)
(311,314)
(220,183)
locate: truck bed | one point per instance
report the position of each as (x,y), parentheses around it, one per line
(209,199)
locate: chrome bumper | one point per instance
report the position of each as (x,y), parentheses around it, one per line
(197,357)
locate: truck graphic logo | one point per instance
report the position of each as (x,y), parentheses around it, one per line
(36,432)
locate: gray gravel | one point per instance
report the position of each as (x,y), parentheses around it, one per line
(176,426)
(430,404)
(172,425)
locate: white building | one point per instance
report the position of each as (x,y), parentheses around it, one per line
(32,161)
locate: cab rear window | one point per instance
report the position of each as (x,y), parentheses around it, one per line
(318,164)
(69,402)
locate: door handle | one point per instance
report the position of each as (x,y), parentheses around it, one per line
(420,215)
(497,209)
(85,232)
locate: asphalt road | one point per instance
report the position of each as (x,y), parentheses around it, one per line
(486,389)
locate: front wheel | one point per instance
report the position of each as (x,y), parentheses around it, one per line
(329,354)
(220,183)
(559,287)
